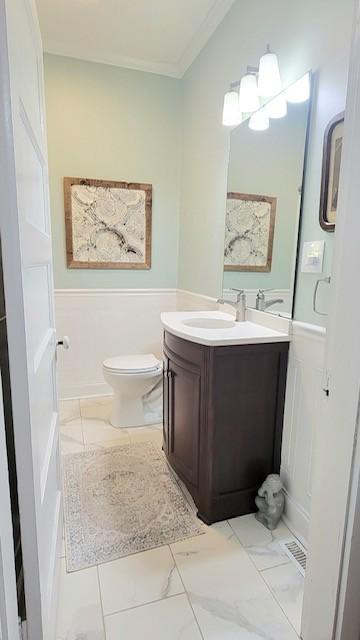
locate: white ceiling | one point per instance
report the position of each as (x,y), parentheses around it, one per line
(160,36)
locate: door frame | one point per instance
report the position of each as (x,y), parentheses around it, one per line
(332,584)
(9,625)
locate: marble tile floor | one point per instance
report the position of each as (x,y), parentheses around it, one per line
(232,583)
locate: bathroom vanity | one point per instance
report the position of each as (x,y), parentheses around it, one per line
(224,392)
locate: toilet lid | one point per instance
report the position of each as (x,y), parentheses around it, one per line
(133,363)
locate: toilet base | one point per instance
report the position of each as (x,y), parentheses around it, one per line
(134,390)
(127,411)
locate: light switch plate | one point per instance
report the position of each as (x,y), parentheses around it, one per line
(313,256)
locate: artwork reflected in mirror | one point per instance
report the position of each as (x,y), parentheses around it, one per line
(330,178)
(249,232)
(265,176)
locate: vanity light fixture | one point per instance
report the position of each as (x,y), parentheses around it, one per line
(251,95)
(248,93)
(231,110)
(259,120)
(299,91)
(269,80)
(277,107)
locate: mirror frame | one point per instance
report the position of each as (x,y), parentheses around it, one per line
(325,172)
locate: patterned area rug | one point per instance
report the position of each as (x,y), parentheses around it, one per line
(119,501)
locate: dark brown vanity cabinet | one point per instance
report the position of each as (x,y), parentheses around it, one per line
(223,416)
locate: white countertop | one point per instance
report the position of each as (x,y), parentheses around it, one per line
(239,333)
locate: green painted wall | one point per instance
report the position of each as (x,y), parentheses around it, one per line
(113,123)
(306,35)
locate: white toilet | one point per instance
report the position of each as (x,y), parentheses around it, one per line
(131,378)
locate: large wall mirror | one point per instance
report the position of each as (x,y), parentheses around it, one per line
(265,176)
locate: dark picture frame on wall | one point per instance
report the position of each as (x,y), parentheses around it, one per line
(332,151)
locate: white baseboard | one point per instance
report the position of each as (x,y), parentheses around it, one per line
(75,392)
(296,519)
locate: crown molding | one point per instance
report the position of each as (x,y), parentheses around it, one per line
(177,70)
(159,68)
(215,16)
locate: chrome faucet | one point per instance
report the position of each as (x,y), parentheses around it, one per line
(239,305)
(262,304)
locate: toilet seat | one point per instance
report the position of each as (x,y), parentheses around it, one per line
(133,364)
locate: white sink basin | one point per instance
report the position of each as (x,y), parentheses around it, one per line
(215,328)
(209,323)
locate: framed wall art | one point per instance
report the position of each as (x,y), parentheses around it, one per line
(330,177)
(249,232)
(108,224)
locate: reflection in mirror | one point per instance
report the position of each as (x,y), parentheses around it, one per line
(263,208)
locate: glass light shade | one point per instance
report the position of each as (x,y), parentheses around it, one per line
(248,94)
(299,91)
(259,121)
(269,80)
(231,110)
(276,108)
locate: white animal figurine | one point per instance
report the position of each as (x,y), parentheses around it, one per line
(270,501)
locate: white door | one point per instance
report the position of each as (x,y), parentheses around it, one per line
(28,280)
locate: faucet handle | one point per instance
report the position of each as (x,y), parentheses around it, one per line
(261,291)
(238,290)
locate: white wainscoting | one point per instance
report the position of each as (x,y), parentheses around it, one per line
(105,322)
(189,301)
(102,323)
(304,398)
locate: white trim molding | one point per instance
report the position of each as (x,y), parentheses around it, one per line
(215,16)
(175,69)
(115,292)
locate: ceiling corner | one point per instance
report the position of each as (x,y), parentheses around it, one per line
(215,16)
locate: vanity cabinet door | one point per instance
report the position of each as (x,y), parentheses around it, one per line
(183,406)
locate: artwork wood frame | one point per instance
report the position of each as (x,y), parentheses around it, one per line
(72,261)
(330,175)
(272,201)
